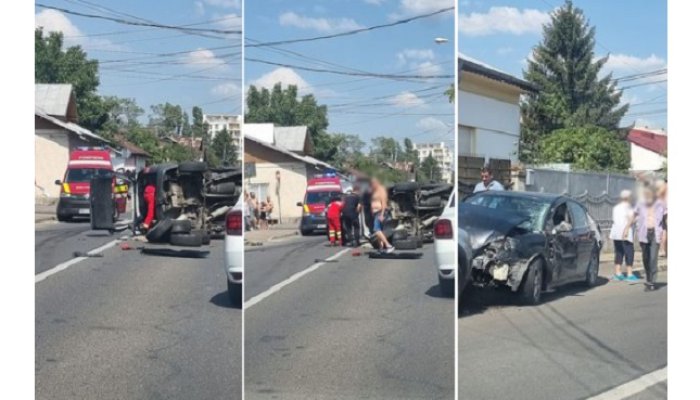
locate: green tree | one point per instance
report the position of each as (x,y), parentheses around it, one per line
(53,64)
(571,91)
(589,148)
(169,119)
(223,150)
(387,149)
(429,170)
(283,107)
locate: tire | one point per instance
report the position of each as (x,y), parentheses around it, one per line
(406,244)
(531,287)
(64,218)
(235,294)
(305,232)
(406,187)
(206,238)
(399,234)
(593,268)
(192,166)
(447,287)
(160,232)
(192,239)
(181,226)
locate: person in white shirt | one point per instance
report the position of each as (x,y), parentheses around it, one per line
(622,235)
(487,181)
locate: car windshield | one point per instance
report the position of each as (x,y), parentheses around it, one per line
(534,209)
(320,197)
(86,174)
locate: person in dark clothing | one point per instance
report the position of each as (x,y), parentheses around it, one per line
(351,217)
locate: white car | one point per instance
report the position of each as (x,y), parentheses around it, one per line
(443,231)
(233,253)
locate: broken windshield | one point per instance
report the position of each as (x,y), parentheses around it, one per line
(531,208)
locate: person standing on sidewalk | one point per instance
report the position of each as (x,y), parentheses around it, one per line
(351,217)
(650,213)
(622,236)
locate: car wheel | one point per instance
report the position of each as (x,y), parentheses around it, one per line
(593,268)
(406,244)
(305,232)
(235,295)
(160,231)
(206,238)
(192,239)
(531,288)
(192,166)
(181,226)
(447,287)
(63,218)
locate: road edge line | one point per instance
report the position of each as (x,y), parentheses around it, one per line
(634,386)
(279,286)
(67,264)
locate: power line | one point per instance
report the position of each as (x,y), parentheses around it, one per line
(350,73)
(354,31)
(178,28)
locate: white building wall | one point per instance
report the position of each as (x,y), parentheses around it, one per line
(645,160)
(488,127)
(51,153)
(293,178)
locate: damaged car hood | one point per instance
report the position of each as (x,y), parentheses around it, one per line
(484,225)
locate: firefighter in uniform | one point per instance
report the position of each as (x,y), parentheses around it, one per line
(334,226)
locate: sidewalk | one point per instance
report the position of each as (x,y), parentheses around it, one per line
(276,232)
(44,213)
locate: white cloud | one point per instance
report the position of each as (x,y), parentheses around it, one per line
(286,76)
(230,21)
(503,20)
(407,99)
(199,7)
(56,21)
(227,89)
(224,3)
(431,124)
(624,62)
(414,54)
(203,58)
(318,24)
(374,2)
(409,8)
(428,68)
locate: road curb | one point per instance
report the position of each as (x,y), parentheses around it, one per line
(45,218)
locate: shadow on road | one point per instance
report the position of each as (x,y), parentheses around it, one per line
(477,300)
(221,300)
(435,292)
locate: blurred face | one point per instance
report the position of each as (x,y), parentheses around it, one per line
(649,197)
(486,177)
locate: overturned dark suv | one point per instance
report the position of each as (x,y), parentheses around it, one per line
(530,242)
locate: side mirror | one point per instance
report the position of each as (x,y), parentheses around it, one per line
(299,204)
(57,182)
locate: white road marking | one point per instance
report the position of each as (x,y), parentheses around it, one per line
(65,265)
(633,387)
(277,287)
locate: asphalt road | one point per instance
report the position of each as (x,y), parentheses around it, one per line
(55,242)
(353,328)
(131,326)
(577,344)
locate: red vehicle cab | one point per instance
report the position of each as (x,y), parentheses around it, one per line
(83,165)
(319,192)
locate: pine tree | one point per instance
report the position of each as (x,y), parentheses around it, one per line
(571,92)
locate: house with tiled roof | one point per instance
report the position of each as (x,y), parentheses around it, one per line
(648,148)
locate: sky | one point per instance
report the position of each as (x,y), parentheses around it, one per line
(632,33)
(206,72)
(369,107)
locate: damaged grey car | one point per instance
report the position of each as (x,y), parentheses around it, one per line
(530,242)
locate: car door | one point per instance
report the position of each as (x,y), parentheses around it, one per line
(583,235)
(562,245)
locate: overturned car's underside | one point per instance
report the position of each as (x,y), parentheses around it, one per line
(414,208)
